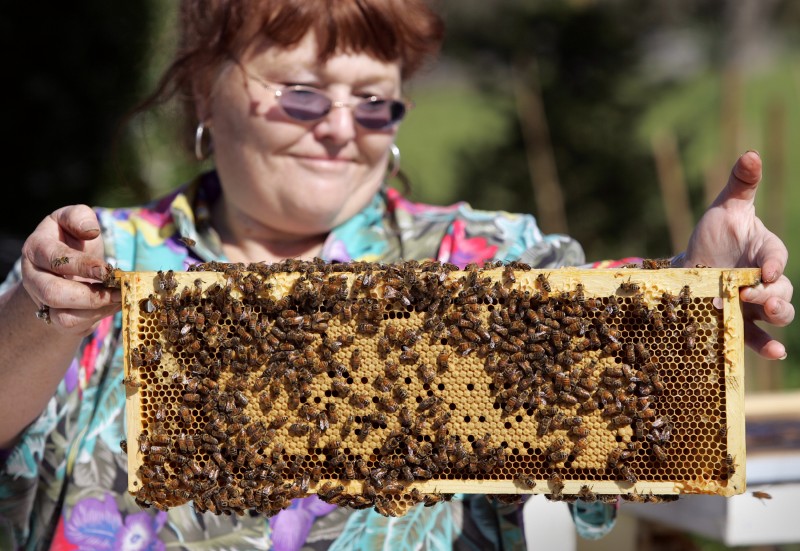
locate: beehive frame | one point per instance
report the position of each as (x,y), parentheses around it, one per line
(389,385)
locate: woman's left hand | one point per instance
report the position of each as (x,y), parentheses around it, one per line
(731,235)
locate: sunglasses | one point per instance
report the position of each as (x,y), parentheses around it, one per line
(303,103)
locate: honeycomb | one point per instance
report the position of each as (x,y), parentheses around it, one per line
(387,385)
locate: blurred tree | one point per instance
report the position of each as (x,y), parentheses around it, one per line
(579,62)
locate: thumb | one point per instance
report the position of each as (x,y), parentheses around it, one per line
(79,221)
(740,191)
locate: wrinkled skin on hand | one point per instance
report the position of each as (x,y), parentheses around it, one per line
(731,235)
(63,267)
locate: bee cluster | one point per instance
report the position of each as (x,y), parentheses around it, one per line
(387,385)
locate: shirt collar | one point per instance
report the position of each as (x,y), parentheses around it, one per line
(362,237)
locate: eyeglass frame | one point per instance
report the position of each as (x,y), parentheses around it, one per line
(277,90)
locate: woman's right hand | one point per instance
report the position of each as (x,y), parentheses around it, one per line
(63,267)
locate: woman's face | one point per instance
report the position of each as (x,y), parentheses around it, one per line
(284,178)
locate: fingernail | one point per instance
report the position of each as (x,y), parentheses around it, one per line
(785,354)
(88,227)
(98,273)
(753,151)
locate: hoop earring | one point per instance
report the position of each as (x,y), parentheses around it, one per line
(198,142)
(394,162)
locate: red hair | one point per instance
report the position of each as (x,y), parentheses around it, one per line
(214,31)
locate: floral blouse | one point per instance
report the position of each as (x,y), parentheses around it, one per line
(64,485)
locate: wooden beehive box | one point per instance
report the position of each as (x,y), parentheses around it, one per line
(388,385)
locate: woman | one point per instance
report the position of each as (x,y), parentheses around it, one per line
(300,112)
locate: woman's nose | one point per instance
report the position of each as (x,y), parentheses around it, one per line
(339,122)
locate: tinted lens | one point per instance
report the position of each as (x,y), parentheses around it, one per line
(304,105)
(379,114)
(309,105)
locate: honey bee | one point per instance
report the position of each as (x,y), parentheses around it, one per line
(185,414)
(722,432)
(629,286)
(152,354)
(556,445)
(685,296)
(760,495)
(387,404)
(355,359)
(658,451)
(383,347)
(166,281)
(657,320)
(544,283)
(359,400)
(185,444)
(730,465)
(189,242)
(60,261)
(264,401)
(614,457)
(428,403)
(669,313)
(579,295)
(689,334)
(558,456)
(642,352)
(613,372)
(579,431)
(131,383)
(669,298)
(157,458)
(556,483)
(655,264)
(579,446)
(508,273)
(586,494)
(364,431)
(612,347)
(620,421)
(587,383)
(409,356)
(526,481)
(611,382)
(426,373)
(567,398)
(627,474)
(240,399)
(347,426)
(349,470)
(612,308)
(630,355)
(328,491)
(367,328)
(646,414)
(340,388)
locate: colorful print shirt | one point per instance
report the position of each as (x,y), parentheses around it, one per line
(64,485)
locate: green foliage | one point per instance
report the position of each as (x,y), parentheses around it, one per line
(593,100)
(447,118)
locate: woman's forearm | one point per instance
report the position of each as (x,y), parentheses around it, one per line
(33,360)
